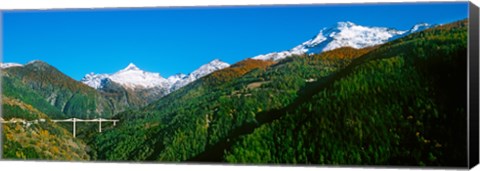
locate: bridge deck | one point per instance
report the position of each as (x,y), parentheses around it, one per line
(73,120)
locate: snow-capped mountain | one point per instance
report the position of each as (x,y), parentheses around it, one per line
(134,78)
(177,77)
(94,80)
(419,27)
(130,77)
(342,35)
(182,80)
(8,65)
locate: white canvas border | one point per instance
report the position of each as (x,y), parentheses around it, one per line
(75,4)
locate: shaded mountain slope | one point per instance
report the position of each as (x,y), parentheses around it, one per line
(203,113)
(392,105)
(402,104)
(38,80)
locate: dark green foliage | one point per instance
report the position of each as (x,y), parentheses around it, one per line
(399,107)
(198,117)
(9,112)
(80,106)
(401,103)
(15,89)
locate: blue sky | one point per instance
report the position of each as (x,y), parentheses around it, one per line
(179,40)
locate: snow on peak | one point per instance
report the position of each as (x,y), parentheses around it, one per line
(8,65)
(34,61)
(344,34)
(198,73)
(355,36)
(130,77)
(134,78)
(419,27)
(217,63)
(209,68)
(94,80)
(345,24)
(130,66)
(177,77)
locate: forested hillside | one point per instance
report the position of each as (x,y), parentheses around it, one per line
(38,91)
(35,136)
(43,86)
(399,103)
(402,104)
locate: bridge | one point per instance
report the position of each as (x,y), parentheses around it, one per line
(73,120)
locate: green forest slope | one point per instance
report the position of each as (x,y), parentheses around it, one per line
(400,103)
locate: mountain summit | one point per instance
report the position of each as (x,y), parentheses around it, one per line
(133,78)
(344,34)
(131,66)
(198,73)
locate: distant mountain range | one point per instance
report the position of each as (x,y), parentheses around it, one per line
(149,84)
(133,86)
(133,77)
(344,34)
